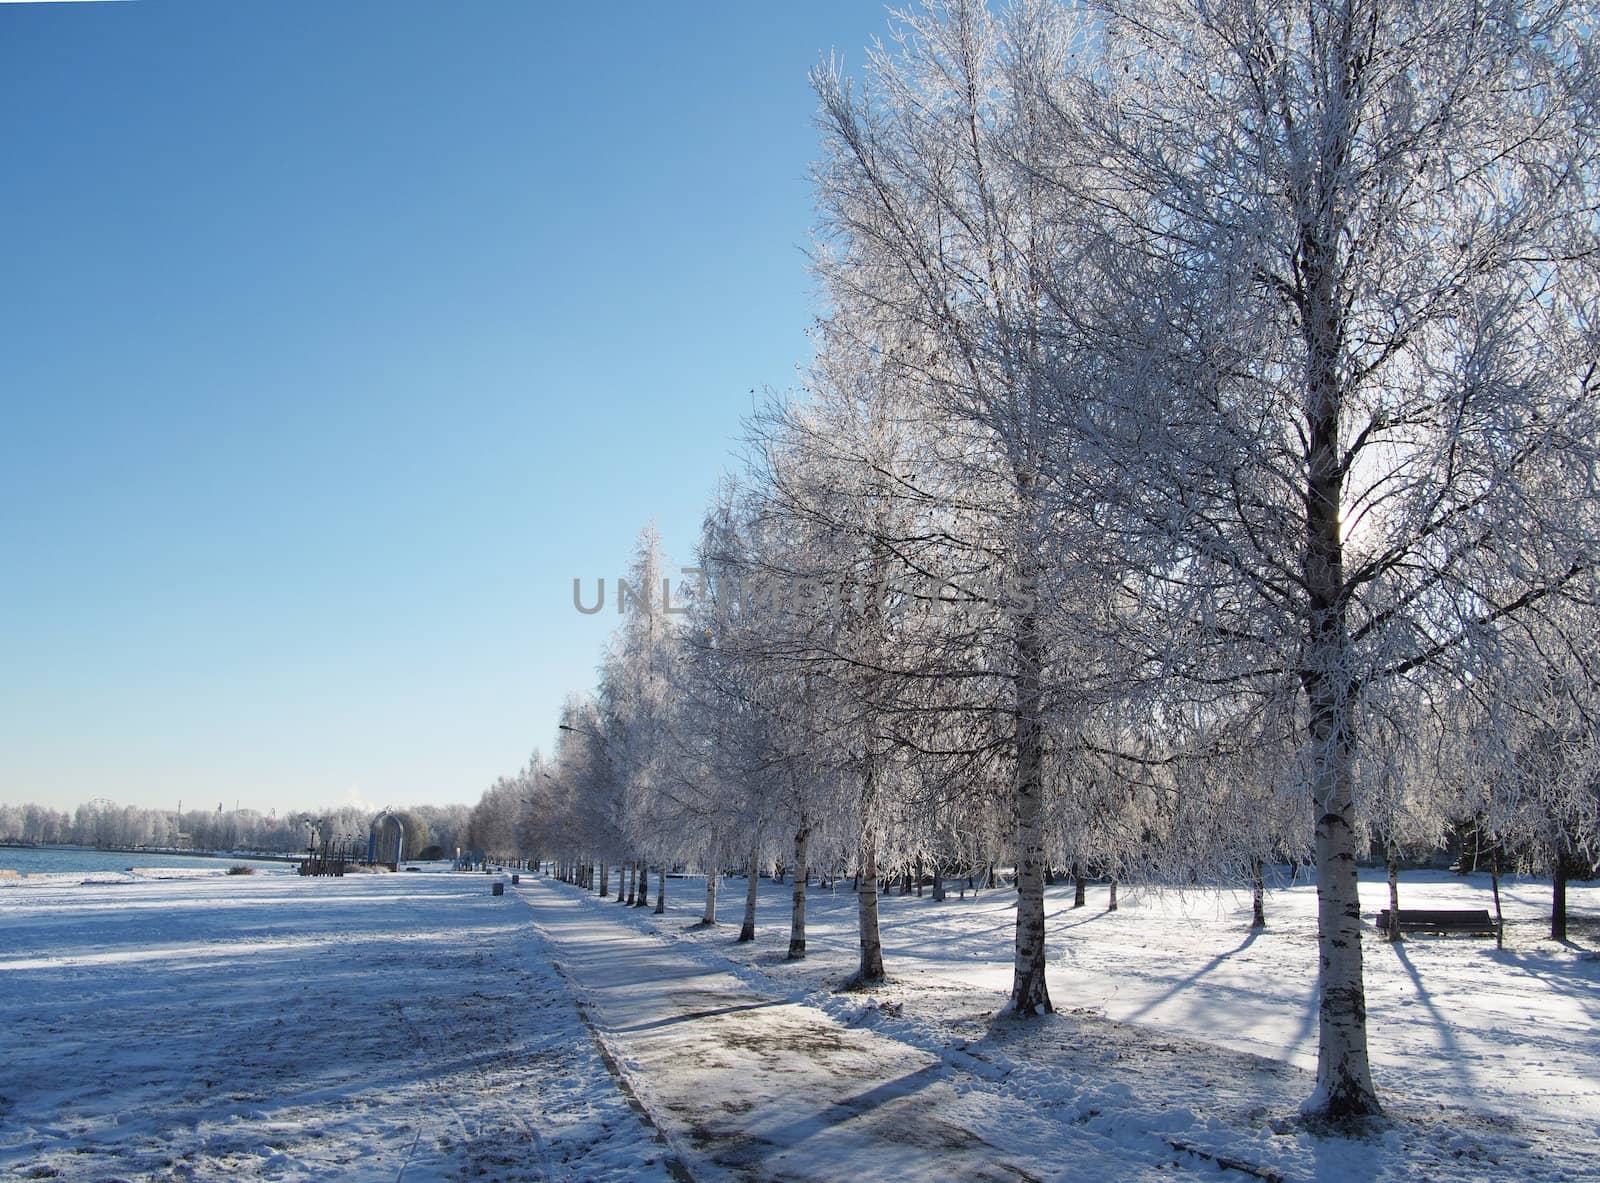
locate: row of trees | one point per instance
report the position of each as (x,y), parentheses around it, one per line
(1197,469)
(104,824)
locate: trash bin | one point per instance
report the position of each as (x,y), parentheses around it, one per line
(499,889)
(516,879)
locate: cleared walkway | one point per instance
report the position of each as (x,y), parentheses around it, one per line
(751,1086)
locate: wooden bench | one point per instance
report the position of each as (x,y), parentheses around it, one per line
(1464,921)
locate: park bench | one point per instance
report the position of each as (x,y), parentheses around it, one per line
(1465,921)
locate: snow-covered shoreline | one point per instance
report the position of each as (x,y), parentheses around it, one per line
(101,878)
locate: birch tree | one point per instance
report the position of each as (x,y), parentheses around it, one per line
(748,695)
(635,705)
(934,194)
(1536,747)
(828,470)
(1351,244)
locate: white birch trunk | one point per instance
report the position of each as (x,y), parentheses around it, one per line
(1392,861)
(747,930)
(1499,917)
(1344,1088)
(1029,994)
(710,914)
(797,895)
(870,967)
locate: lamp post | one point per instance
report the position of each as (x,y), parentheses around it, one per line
(314,827)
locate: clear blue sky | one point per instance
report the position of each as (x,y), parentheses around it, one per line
(337,337)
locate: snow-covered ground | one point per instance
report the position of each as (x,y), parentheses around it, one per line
(1180,1026)
(415,1027)
(376,1027)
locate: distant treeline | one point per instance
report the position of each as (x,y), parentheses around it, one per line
(101,823)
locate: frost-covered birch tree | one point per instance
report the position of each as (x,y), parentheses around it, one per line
(936,199)
(743,699)
(1533,773)
(1352,245)
(823,621)
(635,704)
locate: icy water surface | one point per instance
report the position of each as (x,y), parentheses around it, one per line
(56,860)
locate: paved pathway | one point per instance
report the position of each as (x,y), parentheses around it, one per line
(750,1086)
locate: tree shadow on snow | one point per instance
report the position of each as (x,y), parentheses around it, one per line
(1182,984)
